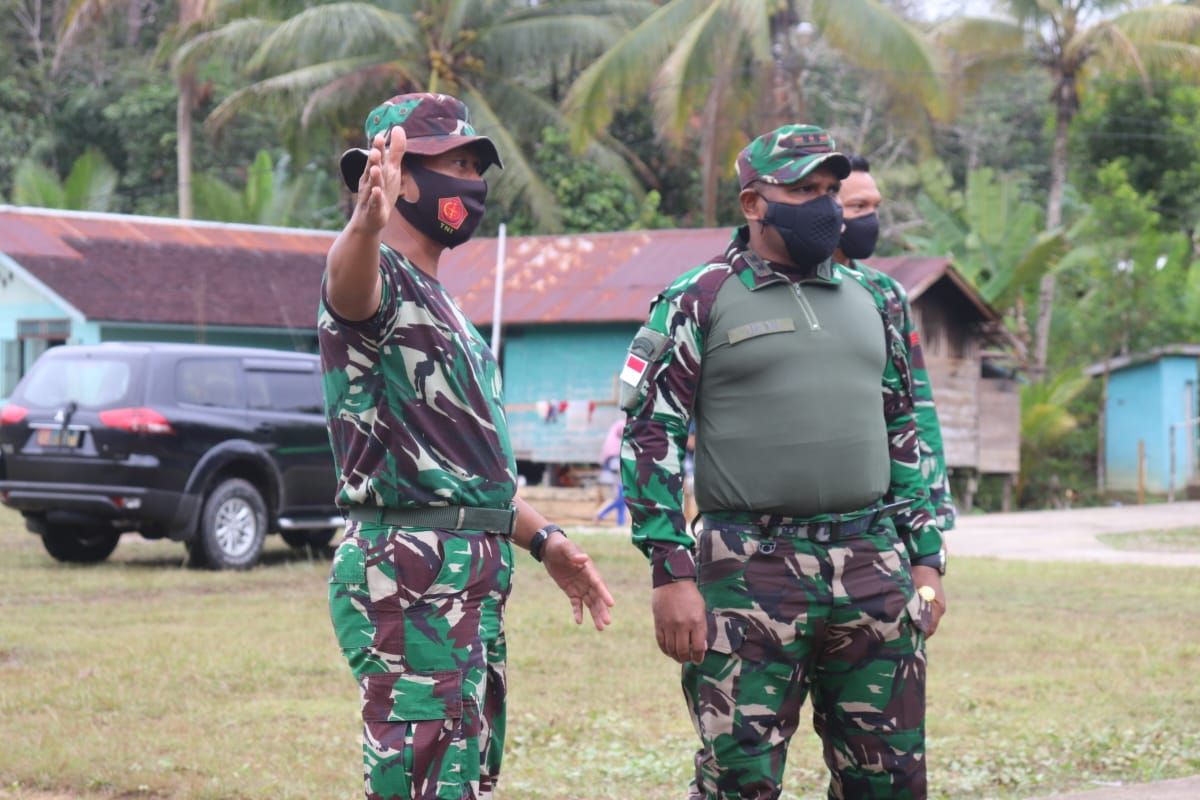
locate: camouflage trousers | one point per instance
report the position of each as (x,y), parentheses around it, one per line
(789,616)
(419,615)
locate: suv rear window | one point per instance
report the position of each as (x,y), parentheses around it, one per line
(285,391)
(89,382)
(209,382)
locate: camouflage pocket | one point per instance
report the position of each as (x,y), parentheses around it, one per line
(920,611)
(349,598)
(417,720)
(725,633)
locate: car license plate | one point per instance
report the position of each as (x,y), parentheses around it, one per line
(57,437)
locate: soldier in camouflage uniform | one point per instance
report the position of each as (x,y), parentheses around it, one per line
(860,200)
(426,473)
(816,527)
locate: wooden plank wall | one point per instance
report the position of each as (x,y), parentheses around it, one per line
(999,426)
(956,395)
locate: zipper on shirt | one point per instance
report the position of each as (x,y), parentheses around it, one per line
(810,315)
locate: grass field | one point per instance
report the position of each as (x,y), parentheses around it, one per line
(1180,540)
(137,678)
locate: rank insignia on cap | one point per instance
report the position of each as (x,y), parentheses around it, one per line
(634,367)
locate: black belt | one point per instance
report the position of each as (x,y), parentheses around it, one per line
(826,531)
(454,518)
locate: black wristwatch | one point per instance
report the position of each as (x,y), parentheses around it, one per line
(539,539)
(937,561)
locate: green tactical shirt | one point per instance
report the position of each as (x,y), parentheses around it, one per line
(661,383)
(413,400)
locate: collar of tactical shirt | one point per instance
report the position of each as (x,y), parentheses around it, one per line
(755,272)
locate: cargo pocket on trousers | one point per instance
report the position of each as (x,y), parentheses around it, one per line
(920,611)
(420,715)
(725,633)
(349,598)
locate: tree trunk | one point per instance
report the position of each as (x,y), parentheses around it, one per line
(183,142)
(1064,110)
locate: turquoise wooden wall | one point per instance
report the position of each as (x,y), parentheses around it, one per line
(555,364)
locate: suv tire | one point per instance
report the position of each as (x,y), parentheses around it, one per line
(78,545)
(233,526)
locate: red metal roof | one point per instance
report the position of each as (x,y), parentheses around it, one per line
(152,270)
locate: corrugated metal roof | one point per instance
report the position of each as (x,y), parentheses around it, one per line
(145,269)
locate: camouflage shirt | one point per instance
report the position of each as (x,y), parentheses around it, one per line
(929,430)
(413,400)
(661,409)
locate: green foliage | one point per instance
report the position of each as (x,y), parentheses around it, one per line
(1155,135)
(271,196)
(1128,282)
(89,186)
(991,230)
(590,198)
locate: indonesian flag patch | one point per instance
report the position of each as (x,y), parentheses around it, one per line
(634,369)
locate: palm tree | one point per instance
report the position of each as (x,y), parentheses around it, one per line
(1072,40)
(725,70)
(331,62)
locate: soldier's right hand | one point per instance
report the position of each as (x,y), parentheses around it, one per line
(380,184)
(680,624)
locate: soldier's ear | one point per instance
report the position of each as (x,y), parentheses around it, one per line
(409,190)
(754,207)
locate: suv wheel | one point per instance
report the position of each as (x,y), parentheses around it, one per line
(316,539)
(80,545)
(233,525)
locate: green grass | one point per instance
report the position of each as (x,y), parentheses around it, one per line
(1181,540)
(136,678)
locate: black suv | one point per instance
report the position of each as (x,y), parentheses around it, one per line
(211,446)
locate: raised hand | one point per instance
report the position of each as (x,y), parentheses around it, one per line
(379,186)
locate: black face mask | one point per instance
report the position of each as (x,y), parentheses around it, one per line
(809,230)
(448,209)
(860,236)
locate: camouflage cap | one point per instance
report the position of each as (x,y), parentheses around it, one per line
(787,154)
(433,123)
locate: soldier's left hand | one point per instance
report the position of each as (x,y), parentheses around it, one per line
(574,572)
(928,576)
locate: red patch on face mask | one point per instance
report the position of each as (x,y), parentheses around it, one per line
(452,212)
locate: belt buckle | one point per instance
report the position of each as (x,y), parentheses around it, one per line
(823,532)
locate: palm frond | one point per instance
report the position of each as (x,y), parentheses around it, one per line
(532,111)
(79,16)
(213,199)
(537,39)
(1109,45)
(519,179)
(1156,23)
(872,36)
(37,185)
(91,183)
(980,38)
(753,19)
(624,72)
(287,91)
(686,68)
(360,87)
(235,41)
(334,31)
